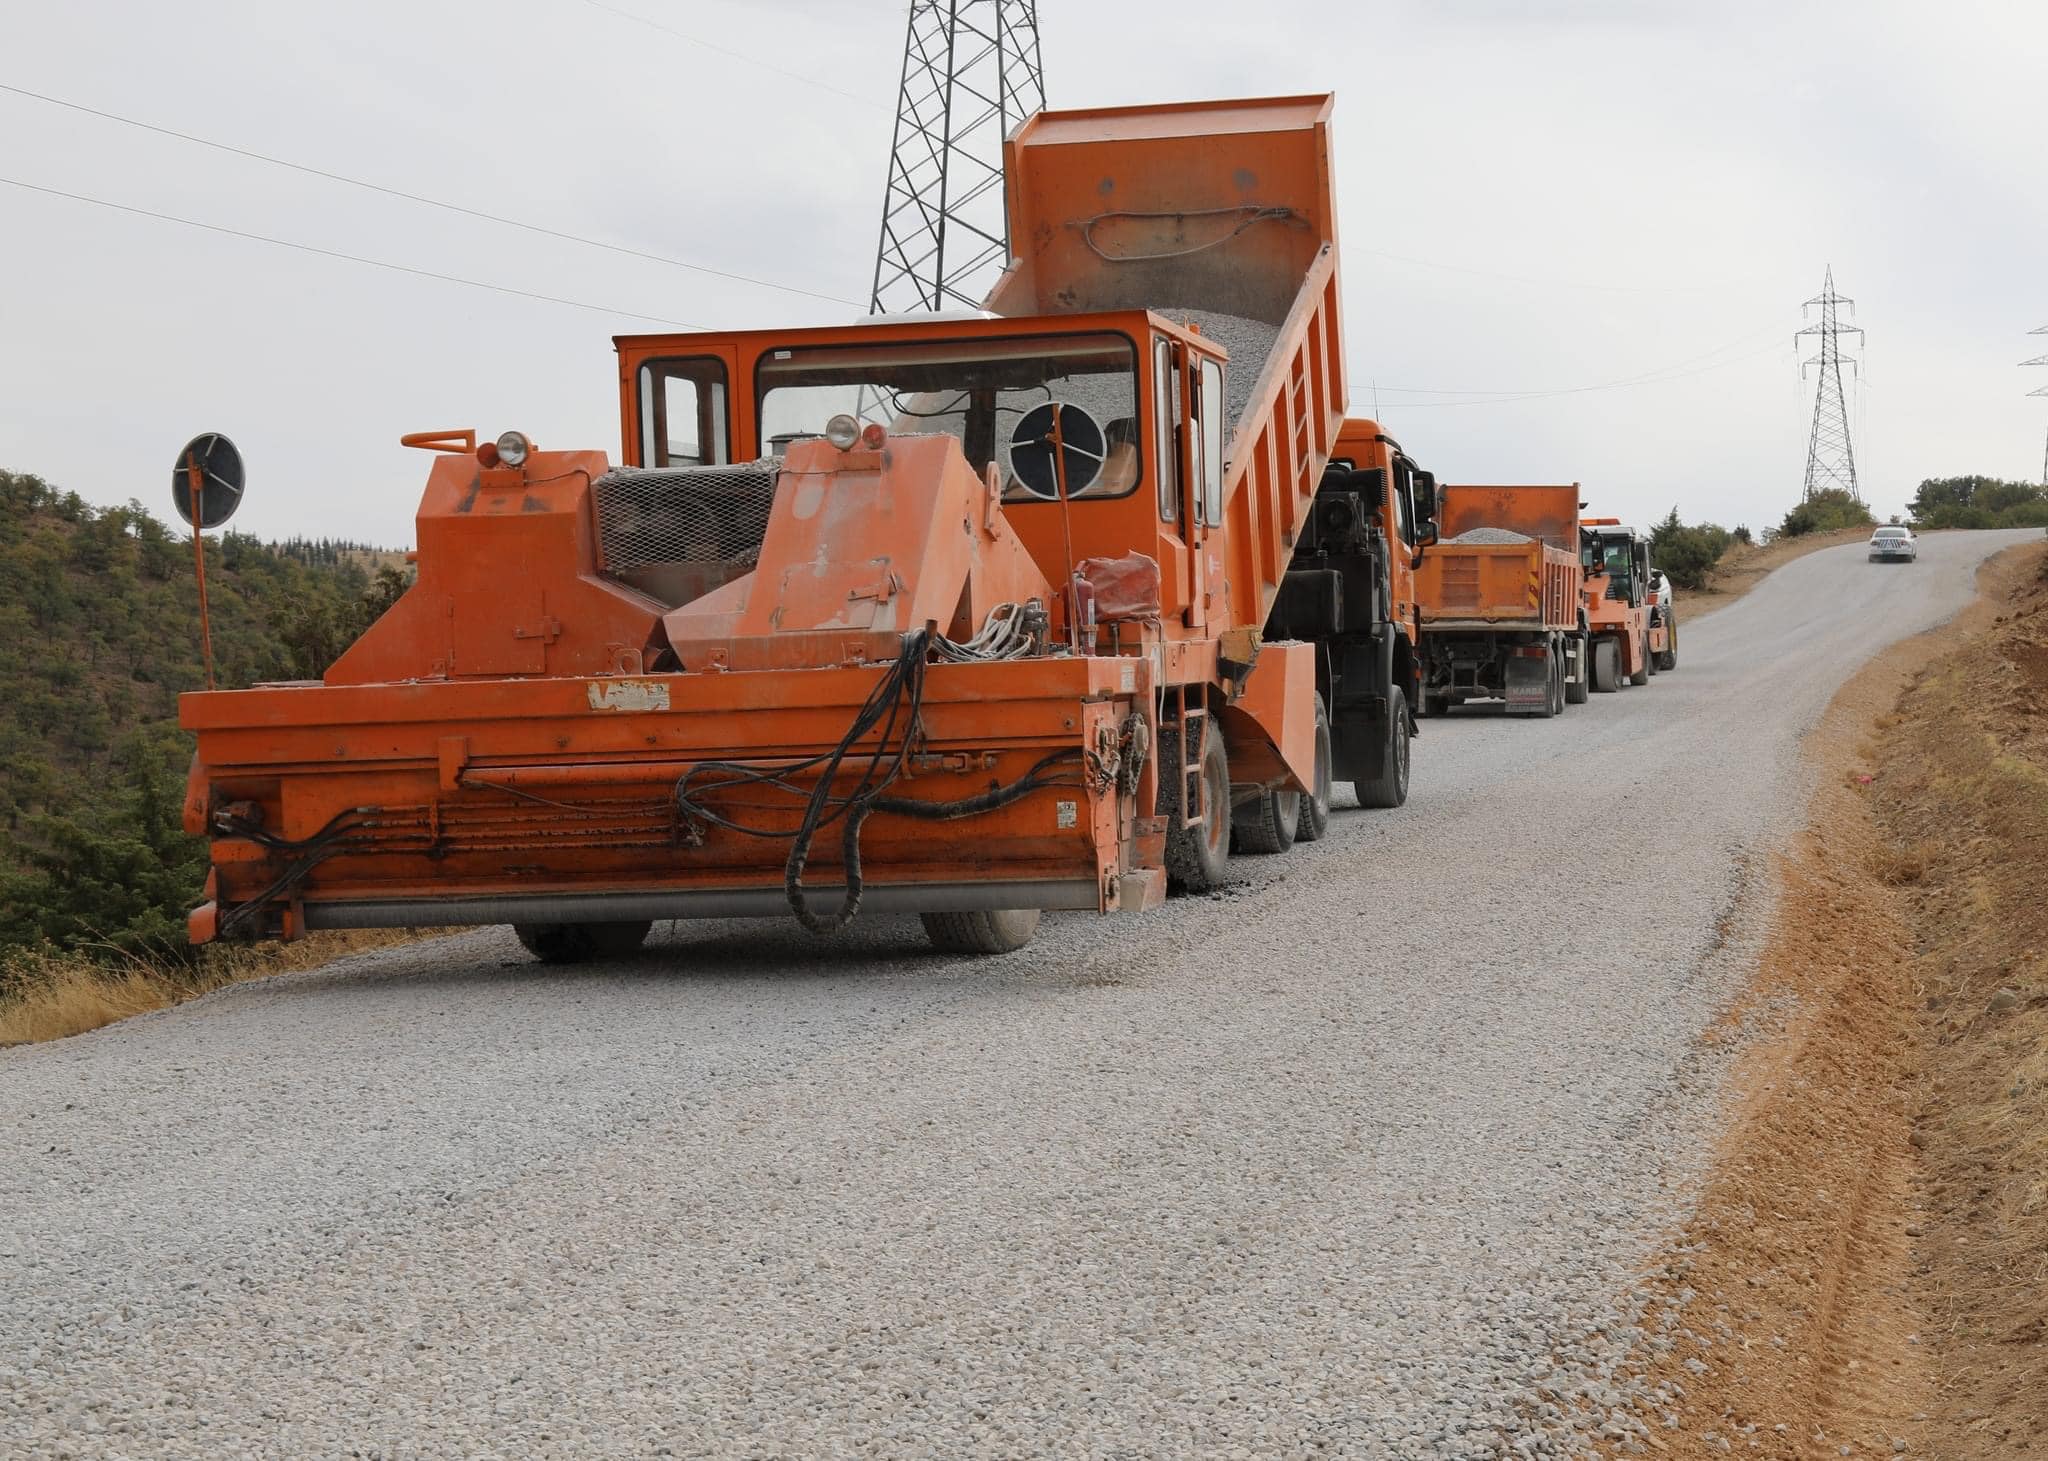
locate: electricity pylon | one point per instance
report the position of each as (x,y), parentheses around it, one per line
(2040,391)
(970,73)
(1830,455)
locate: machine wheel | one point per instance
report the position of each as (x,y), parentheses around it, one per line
(1668,660)
(1606,669)
(1435,705)
(572,943)
(1314,820)
(1642,673)
(995,931)
(1576,691)
(1196,857)
(1390,787)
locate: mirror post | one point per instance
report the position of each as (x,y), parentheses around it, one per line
(197,483)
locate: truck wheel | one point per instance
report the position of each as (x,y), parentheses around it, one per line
(1642,670)
(1267,822)
(1390,787)
(1197,856)
(1315,809)
(572,943)
(1575,690)
(1606,667)
(996,931)
(1668,660)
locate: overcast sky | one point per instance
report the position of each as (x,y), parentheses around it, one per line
(1536,198)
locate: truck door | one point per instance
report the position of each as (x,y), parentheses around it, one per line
(1171,450)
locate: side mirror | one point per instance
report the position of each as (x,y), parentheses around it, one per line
(1430,533)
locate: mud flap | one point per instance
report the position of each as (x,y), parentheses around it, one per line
(1528,681)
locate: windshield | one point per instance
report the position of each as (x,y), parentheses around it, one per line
(982,392)
(1615,558)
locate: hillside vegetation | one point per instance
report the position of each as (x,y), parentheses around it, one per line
(99,632)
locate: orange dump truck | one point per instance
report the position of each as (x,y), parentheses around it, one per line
(958,616)
(1500,598)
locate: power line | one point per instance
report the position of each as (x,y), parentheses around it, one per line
(741,56)
(1546,283)
(1652,378)
(1525,392)
(285,243)
(421,198)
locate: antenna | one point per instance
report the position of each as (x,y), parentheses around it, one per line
(206,488)
(970,73)
(1830,455)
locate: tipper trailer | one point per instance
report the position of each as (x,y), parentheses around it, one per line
(958,616)
(1502,617)
(1617,594)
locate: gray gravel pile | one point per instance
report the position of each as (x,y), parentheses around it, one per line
(1490,535)
(1249,342)
(1352,1158)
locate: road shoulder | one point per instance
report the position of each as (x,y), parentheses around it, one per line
(1819,1300)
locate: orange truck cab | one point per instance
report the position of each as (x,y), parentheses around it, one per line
(968,616)
(1502,614)
(1618,579)
(1351,590)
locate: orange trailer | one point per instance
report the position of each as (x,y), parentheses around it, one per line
(1501,613)
(960,616)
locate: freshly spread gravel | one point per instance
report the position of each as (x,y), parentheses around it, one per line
(1350,1159)
(1489,535)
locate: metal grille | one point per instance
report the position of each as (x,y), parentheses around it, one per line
(677,533)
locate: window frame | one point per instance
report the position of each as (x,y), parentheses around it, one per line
(712,379)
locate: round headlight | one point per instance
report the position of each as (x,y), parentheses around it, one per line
(513,447)
(842,431)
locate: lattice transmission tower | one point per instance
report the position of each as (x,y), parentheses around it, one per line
(970,73)
(1830,454)
(2040,391)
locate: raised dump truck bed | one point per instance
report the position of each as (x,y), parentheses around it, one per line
(958,616)
(1502,616)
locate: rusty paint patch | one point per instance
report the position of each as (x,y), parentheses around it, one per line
(628,694)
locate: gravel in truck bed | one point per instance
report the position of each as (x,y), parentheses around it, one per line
(1490,535)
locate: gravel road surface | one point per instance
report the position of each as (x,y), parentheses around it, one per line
(1349,1159)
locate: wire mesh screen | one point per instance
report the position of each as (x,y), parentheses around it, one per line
(677,533)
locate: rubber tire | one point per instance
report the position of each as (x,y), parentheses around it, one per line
(1577,692)
(1642,676)
(1196,858)
(1435,706)
(1315,810)
(1557,673)
(1267,823)
(572,943)
(1668,660)
(1606,667)
(994,931)
(1390,789)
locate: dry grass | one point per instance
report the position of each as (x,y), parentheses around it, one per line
(47,995)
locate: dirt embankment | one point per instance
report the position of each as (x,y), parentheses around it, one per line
(1867,1270)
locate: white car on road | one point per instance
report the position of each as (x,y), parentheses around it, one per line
(1894,545)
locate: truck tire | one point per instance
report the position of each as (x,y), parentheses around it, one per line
(1196,857)
(1434,705)
(572,943)
(996,931)
(1642,671)
(1267,823)
(1606,668)
(1390,787)
(1315,808)
(1576,691)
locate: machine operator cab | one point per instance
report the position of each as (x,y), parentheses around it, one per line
(1622,555)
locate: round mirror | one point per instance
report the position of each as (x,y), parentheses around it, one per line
(220,481)
(1081,437)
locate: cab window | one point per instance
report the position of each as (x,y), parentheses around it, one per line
(1213,428)
(683,413)
(1166,409)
